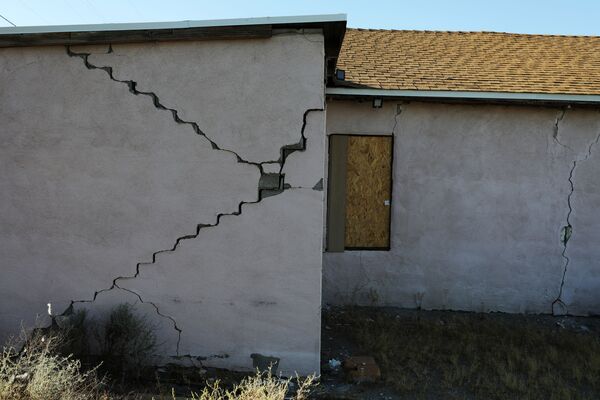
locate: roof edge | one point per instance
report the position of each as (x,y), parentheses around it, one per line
(466,95)
(333,27)
(286,20)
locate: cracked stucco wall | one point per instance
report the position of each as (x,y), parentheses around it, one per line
(132,174)
(480,198)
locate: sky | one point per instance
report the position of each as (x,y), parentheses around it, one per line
(573,17)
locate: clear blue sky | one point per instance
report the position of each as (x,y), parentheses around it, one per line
(572,17)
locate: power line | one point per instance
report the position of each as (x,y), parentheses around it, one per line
(6,19)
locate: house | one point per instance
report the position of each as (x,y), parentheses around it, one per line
(494,171)
(228,177)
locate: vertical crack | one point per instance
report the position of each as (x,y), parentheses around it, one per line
(566,232)
(556,136)
(558,305)
(270,184)
(399,110)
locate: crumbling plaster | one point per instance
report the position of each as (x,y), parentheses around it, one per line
(119,156)
(479,202)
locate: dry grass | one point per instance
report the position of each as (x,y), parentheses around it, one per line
(38,372)
(475,356)
(258,387)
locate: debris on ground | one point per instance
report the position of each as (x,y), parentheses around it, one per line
(460,355)
(334,364)
(362,369)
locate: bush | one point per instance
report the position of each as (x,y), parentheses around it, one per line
(39,372)
(124,341)
(127,343)
(73,330)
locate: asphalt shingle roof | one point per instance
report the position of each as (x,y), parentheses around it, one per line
(471,61)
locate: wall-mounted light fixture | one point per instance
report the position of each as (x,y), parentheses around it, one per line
(340,74)
(377,102)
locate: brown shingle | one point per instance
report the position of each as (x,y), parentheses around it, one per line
(471,61)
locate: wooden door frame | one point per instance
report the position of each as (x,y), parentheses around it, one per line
(338,219)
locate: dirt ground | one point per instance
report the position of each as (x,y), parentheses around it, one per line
(458,355)
(438,355)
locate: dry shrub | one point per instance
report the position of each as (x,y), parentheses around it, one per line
(127,343)
(74,332)
(261,386)
(39,372)
(123,340)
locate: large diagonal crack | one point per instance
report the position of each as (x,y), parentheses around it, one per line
(567,230)
(269,184)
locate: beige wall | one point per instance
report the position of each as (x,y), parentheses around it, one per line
(480,198)
(101,187)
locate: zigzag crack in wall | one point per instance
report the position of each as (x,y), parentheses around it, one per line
(270,184)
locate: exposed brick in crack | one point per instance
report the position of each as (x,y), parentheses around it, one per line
(567,230)
(270,184)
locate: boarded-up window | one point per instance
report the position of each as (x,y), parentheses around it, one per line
(360,171)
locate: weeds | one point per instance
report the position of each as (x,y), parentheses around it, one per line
(38,372)
(261,386)
(45,368)
(475,355)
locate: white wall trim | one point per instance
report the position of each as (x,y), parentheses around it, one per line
(442,94)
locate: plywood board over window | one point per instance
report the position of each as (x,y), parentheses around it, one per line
(360,183)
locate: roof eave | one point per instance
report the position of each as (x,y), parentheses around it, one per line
(442,95)
(333,26)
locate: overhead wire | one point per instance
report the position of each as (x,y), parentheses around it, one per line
(7,20)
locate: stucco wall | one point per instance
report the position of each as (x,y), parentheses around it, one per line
(480,197)
(132,175)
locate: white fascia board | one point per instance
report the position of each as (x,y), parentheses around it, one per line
(302,19)
(444,94)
